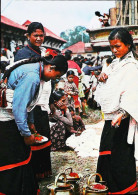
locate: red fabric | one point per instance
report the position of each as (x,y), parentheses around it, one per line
(134,189)
(105,153)
(38,191)
(125,191)
(76,101)
(74,65)
(76,81)
(40,147)
(6,167)
(75,97)
(52,52)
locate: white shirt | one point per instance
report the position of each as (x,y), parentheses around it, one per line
(94,23)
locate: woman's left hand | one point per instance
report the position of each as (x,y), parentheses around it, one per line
(117,120)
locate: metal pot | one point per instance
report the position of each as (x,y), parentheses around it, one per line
(89,188)
(73,180)
(60,188)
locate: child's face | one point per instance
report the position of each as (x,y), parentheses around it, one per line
(49,73)
(61,104)
(70,78)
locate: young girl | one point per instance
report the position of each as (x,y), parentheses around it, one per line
(71,91)
(16,175)
(63,119)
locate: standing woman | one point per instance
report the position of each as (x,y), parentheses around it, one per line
(118,98)
(41,155)
(35,35)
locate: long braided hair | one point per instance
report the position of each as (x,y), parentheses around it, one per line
(59,62)
(15,65)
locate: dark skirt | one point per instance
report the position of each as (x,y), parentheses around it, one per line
(41,159)
(116,161)
(16,173)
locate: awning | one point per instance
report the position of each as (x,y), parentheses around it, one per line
(105,53)
(100,44)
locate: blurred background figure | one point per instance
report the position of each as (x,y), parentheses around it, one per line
(95,21)
(105,20)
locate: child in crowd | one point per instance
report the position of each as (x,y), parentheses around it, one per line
(61,118)
(71,91)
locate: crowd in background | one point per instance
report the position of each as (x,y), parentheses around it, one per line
(78,84)
(49,96)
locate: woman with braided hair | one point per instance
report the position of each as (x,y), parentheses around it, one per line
(16,174)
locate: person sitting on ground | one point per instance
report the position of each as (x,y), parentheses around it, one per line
(61,118)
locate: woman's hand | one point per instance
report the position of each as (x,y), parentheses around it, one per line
(102,77)
(117,120)
(29,140)
(32,128)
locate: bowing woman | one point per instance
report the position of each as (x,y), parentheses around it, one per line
(16,173)
(41,155)
(119,103)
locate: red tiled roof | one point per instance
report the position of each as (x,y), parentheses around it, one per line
(26,23)
(9,22)
(48,32)
(76,48)
(51,34)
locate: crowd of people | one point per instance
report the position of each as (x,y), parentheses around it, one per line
(47,95)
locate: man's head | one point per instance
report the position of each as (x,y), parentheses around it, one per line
(35,33)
